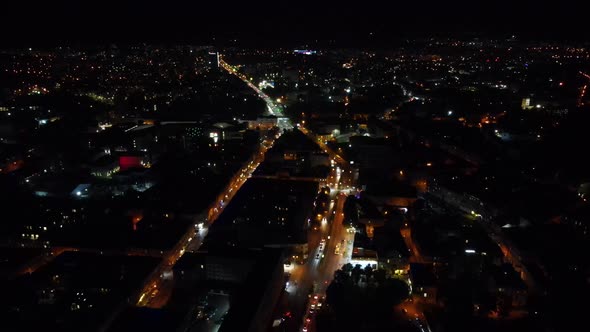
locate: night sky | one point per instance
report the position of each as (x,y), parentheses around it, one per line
(282,22)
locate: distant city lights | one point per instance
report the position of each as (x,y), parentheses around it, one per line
(304,52)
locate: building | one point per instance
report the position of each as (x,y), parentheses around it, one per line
(505,282)
(295,155)
(214,60)
(423,282)
(133,160)
(250,280)
(76,291)
(526,104)
(265,213)
(390,193)
(262,122)
(105,167)
(364,257)
(222,131)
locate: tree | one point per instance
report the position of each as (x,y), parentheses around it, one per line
(347,268)
(355,306)
(391,292)
(341,276)
(368,272)
(504,306)
(356,274)
(380,276)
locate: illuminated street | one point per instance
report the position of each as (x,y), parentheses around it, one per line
(159,286)
(205,167)
(323,261)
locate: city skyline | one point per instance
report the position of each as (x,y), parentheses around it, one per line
(294,167)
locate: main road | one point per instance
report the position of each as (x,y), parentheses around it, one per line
(308,282)
(273,109)
(158,285)
(330,246)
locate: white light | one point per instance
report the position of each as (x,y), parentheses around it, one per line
(450,113)
(469,251)
(78,193)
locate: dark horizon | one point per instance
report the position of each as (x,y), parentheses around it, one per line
(268,24)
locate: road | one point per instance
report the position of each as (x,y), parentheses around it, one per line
(318,271)
(411,308)
(347,171)
(157,287)
(272,107)
(415,256)
(324,258)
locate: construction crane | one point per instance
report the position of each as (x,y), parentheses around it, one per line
(583,90)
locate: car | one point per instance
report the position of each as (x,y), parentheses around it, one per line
(220,319)
(209,311)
